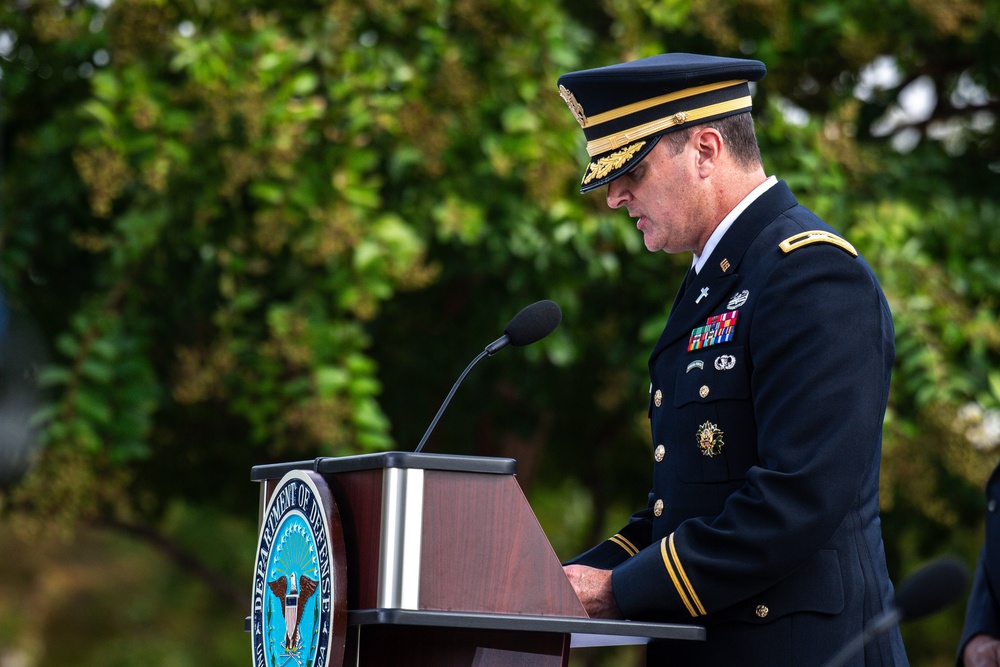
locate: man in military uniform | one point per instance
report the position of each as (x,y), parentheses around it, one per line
(769,385)
(980,645)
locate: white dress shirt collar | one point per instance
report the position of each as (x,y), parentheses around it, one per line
(698,261)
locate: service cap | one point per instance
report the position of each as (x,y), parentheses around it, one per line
(624,109)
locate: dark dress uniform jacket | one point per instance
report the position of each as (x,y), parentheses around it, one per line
(982,615)
(762,522)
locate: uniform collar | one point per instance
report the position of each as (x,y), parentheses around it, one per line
(698,261)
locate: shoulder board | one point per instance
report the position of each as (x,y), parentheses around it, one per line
(815,236)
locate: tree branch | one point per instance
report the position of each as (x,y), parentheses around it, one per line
(185,560)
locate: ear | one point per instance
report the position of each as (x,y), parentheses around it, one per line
(708,143)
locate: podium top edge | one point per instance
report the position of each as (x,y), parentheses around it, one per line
(405,460)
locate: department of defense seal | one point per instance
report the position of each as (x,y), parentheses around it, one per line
(299,583)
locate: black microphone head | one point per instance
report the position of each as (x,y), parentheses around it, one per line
(933,587)
(533,323)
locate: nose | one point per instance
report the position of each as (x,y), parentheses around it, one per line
(618,194)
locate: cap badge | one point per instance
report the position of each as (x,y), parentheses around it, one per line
(710,439)
(573,105)
(609,163)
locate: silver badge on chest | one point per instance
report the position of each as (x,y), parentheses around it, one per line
(738,300)
(725,363)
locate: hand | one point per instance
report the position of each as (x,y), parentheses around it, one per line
(982,651)
(593,587)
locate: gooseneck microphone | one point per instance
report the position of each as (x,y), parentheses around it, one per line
(532,324)
(930,589)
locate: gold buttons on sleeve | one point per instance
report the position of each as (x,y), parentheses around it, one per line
(762,611)
(658,398)
(703,392)
(658,507)
(659,453)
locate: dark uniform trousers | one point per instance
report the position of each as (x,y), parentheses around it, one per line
(982,614)
(769,387)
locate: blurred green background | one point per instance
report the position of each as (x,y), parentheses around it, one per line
(235,233)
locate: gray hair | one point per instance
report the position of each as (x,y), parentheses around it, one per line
(737,132)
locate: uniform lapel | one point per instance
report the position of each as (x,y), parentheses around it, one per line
(721,273)
(688,308)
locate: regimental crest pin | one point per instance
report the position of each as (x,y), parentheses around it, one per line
(710,439)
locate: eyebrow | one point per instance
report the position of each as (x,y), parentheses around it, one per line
(635,173)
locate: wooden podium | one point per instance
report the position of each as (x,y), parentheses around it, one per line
(447,565)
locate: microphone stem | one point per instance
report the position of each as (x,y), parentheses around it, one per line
(880,624)
(447,400)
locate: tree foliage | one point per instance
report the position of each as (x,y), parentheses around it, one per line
(254,232)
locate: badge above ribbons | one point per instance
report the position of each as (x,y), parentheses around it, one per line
(299,614)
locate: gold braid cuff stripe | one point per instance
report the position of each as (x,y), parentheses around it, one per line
(609,163)
(609,143)
(673,576)
(624,544)
(687,582)
(683,585)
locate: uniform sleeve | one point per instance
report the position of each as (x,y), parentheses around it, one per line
(981,614)
(621,546)
(821,346)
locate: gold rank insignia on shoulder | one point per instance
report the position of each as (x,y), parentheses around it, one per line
(710,439)
(815,236)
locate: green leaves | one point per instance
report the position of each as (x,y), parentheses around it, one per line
(105,390)
(257,233)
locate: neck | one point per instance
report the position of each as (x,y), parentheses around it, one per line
(727,192)
(736,186)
